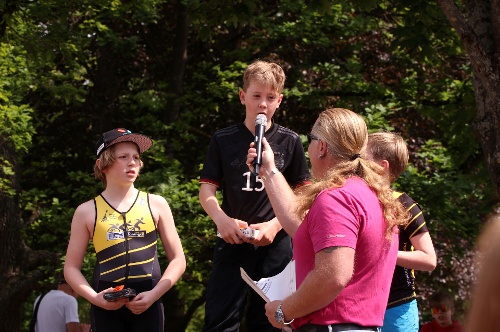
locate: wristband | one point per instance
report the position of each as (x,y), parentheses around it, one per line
(273,171)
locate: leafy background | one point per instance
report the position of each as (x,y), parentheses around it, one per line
(172,69)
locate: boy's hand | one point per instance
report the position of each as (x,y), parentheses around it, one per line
(229,230)
(267,232)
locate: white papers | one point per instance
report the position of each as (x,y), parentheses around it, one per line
(273,288)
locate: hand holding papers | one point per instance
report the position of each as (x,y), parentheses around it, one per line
(273,288)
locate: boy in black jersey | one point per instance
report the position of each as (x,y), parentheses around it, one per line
(245,204)
(124,224)
(416,251)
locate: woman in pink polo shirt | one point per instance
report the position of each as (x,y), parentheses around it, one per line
(343,228)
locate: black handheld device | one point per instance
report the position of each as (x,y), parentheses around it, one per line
(116,295)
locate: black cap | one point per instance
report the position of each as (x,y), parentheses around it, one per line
(118,135)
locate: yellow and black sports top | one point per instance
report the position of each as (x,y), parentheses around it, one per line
(403,281)
(125,242)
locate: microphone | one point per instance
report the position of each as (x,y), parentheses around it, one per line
(260,128)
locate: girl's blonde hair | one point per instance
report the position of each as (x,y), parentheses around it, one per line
(346,135)
(106,159)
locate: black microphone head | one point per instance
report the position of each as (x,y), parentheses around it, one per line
(261,120)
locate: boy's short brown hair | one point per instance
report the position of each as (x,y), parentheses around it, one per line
(268,73)
(441,298)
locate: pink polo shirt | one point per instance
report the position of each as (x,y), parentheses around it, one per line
(350,216)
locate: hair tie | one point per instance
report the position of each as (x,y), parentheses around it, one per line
(355,156)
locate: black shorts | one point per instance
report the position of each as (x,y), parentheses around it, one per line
(227,293)
(123,320)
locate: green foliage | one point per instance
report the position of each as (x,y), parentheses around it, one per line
(6,174)
(16,129)
(15,116)
(17,125)
(70,70)
(460,201)
(377,117)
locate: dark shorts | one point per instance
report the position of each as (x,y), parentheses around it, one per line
(229,298)
(123,320)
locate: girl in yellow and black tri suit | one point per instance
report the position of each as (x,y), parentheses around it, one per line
(125,245)
(124,225)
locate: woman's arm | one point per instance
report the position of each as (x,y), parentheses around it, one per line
(282,197)
(333,270)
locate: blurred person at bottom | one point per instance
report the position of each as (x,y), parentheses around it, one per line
(344,230)
(484,312)
(442,308)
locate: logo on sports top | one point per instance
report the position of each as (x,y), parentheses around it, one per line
(109,217)
(136,231)
(117,231)
(104,218)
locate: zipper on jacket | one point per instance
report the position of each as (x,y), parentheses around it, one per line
(125,235)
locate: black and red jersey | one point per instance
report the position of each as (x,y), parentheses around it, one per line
(243,194)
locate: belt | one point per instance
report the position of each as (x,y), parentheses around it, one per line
(335,328)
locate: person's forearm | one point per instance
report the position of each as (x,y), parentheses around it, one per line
(282,199)
(172,274)
(309,297)
(77,281)
(416,260)
(84,327)
(333,270)
(211,206)
(73,327)
(422,258)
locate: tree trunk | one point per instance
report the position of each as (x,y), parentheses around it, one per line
(179,58)
(18,265)
(479,30)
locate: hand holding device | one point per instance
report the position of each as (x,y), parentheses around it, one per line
(119,293)
(248,232)
(260,129)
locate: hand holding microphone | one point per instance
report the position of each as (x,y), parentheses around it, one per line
(260,154)
(260,129)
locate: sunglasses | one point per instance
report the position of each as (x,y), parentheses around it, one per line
(438,309)
(311,137)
